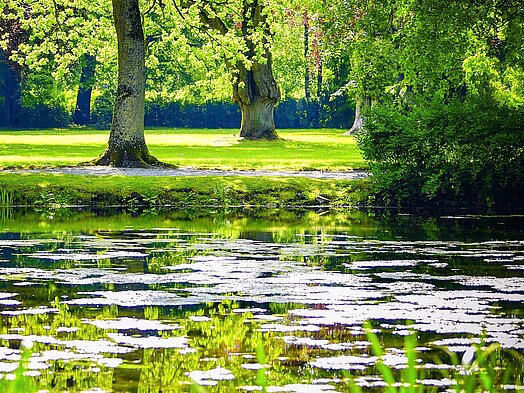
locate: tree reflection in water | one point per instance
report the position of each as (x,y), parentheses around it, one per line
(155,303)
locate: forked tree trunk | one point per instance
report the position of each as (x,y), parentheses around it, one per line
(256,91)
(82,115)
(127,146)
(358,123)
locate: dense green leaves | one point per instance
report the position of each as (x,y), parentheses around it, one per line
(448,130)
(426,67)
(459,154)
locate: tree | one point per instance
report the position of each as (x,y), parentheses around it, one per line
(127,146)
(370,35)
(12,88)
(57,36)
(306,17)
(456,139)
(82,114)
(11,27)
(244,28)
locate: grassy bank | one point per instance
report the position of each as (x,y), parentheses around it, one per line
(322,149)
(205,149)
(52,190)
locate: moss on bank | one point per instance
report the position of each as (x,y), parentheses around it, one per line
(55,190)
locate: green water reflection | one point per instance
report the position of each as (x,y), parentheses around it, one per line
(232,300)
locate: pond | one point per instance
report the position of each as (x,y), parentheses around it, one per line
(236,300)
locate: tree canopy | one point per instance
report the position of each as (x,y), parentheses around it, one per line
(397,62)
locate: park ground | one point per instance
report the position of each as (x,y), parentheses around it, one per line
(202,149)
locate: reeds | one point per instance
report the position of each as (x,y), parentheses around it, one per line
(21,381)
(6,198)
(481,369)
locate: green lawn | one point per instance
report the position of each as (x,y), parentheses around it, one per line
(325,149)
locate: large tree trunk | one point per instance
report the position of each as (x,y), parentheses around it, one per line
(358,123)
(127,146)
(256,91)
(82,115)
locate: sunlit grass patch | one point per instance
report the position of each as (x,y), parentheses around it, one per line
(322,136)
(323,149)
(54,140)
(183,139)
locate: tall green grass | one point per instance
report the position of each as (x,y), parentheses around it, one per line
(6,198)
(6,205)
(20,382)
(481,369)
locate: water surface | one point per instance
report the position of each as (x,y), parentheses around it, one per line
(155,302)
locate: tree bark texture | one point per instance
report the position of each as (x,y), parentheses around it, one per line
(256,92)
(358,124)
(82,115)
(127,146)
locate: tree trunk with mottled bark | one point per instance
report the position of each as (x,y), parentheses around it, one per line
(127,146)
(256,92)
(358,123)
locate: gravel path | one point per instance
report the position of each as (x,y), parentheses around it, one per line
(108,171)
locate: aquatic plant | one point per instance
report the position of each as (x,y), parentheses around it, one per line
(477,371)
(20,381)
(6,198)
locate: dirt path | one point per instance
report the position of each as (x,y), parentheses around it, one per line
(108,171)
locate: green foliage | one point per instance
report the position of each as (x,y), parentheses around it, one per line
(49,192)
(20,382)
(483,368)
(460,154)
(6,198)
(47,45)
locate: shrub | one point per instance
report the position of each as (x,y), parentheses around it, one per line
(467,155)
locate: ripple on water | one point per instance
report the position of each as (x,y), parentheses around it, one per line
(365,265)
(68,255)
(334,280)
(6,299)
(301,388)
(344,362)
(305,341)
(8,367)
(31,311)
